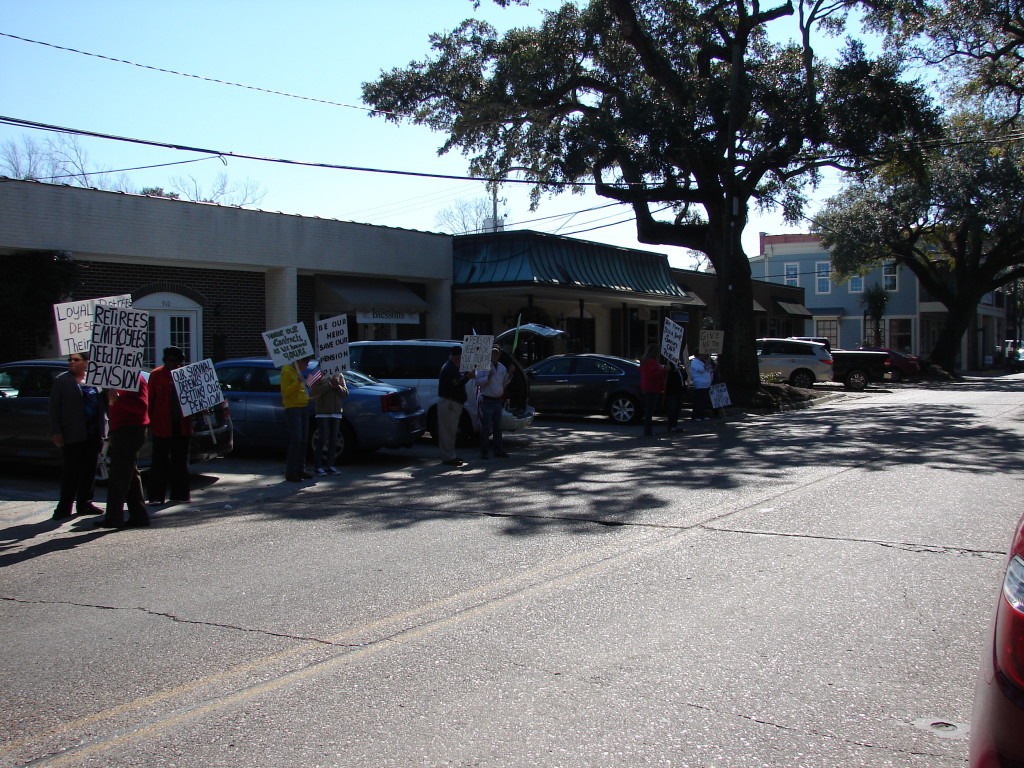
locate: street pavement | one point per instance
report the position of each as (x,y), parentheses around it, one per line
(808,588)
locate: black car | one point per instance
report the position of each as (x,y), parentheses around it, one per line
(587,383)
(25,421)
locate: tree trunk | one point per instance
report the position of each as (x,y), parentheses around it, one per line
(738,364)
(958,320)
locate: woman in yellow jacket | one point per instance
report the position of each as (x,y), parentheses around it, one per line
(295,396)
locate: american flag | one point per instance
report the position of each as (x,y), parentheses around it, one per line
(314,377)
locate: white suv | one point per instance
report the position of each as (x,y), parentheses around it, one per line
(801,363)
(417,363)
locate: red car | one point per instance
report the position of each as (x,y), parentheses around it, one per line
(900,366)
(998,719)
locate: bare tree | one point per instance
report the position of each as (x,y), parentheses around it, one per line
(222,191)
(27,159)
(465,217)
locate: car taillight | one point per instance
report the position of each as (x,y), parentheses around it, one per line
(1009,648)
(391,402)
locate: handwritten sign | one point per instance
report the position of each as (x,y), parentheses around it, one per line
(711,342)
(197,386)
(332,344)
(118,347)
(672,338)
(75,319)
(476,353)
(719,396)
(287,344)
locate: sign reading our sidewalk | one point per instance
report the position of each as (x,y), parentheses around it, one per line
(118,347)
(672,338)
(287,344)
(476,353)
(75,319)
(197,386)
(332,344)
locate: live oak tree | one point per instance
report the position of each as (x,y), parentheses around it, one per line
(686,110)
(957,223)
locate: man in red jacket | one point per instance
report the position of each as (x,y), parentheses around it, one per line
(129,414)
(171,433)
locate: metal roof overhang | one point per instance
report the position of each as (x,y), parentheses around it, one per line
(793,309)
(347,295)
(574,292)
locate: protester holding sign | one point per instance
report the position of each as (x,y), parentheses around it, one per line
(295,397)
(328,393)
(652,385)
(491,384)
(675,388)
(77,421)
(702,371)
(129,415)
(172,433)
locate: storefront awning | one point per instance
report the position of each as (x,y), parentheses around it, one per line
(758,307)
(349,295)
(794,309)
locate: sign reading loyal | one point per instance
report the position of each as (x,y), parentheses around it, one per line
(476,353)
(332,344)
(672,339)
(75,318)
(287,344)
(118,347)
(197,386)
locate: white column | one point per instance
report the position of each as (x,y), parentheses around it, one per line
(281,297)
(439,316)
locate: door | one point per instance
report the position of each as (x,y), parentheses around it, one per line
(174,321)
(593,380)
(550,385)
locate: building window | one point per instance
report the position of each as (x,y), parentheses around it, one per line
(900,334)
(856,284)
(823,277)
(792,275)
(890,281)
(828,329)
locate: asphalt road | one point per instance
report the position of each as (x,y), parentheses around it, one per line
(808,588)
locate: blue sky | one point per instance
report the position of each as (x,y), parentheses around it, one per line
(316,48)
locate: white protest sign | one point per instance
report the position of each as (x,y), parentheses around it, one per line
(197,386)
(711,342)
(287,344)
(672,338)
(118,347)
(332,344)
(719,396)
(476,353)
(75,318)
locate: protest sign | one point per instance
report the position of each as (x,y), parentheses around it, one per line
(75,318)
(197,386)
(711,342)
(118,347)
(719,396)
(287,344)
(476,353)
(672,338)
(332,344)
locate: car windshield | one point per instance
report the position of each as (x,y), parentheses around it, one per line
(357,379)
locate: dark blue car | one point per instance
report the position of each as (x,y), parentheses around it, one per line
(377,415)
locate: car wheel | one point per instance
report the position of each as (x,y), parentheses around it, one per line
(802,378)
(857,380)
(623,409)
(348,445)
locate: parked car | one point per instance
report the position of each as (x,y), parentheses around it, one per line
(998,717)
(25,422)
(801,363)
(854,368)
(900,366)
(377,415)
(417,363)
(587,383)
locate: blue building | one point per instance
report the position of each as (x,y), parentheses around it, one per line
(912,319)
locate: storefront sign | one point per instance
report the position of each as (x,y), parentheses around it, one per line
(388,316)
